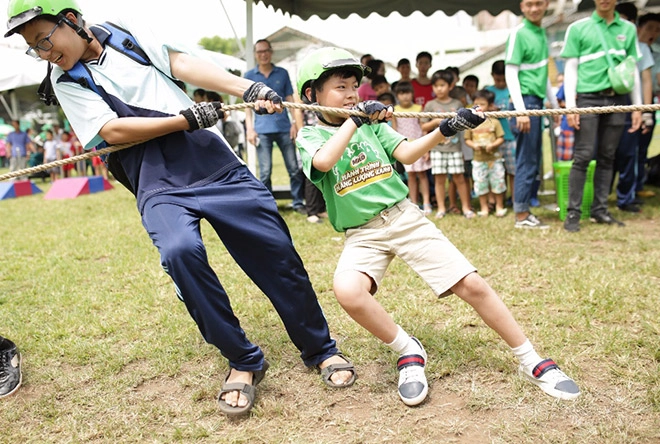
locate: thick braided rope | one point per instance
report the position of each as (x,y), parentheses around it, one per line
(74,159)
(349,112)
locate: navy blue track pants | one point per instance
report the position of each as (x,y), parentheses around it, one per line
(244,214)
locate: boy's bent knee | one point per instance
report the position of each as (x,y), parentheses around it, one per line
(350,286)
(181,249)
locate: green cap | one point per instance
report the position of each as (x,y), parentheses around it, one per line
(22,11)
(326,59)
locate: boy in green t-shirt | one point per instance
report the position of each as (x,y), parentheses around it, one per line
(350,160)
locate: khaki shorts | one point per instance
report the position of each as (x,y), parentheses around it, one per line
(403,230)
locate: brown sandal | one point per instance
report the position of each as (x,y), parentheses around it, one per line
(330,370)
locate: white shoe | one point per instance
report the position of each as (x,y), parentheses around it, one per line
(413,387)
(551,380)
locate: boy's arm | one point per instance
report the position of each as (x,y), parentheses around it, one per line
(495,144)
(330,153)
(136,129)
(466,118)
(429,126)
(199,72)
(570,90)
(467,137)
(551,97)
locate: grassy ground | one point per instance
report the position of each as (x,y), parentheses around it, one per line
(110,354)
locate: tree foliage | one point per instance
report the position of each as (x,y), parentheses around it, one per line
(219,44)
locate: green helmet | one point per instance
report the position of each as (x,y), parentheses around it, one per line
(22,11)
(323,60)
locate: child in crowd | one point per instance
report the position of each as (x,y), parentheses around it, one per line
(502,99)
(403,66)
(350,160)
(380,85)
(422,83)
(418,180)
(566,136)
(471,86)
(387,98)
(77,148)
(51,154)
(376,67)
(446,157)
(487,165)
(66,147)
(3,152)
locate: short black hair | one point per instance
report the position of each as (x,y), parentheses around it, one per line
(472,78)
(199,92)
(442,74)
(317,85)
(374,65)
(628,9)
(213,96)
(497,68)
(404,87)
(386,95)
(650,17)
(485,94)
(378,80)
(453,69)
(424,54)
(402,62)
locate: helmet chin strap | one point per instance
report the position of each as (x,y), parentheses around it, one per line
(322,119)
(79,29)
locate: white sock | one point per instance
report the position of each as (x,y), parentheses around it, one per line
(526,354)
(403,344)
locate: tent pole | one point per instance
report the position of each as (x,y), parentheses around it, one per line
(12,114)
(249,59)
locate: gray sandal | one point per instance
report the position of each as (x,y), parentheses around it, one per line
(330,370)
(247,390)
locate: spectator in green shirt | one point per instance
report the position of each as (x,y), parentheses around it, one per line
(587,84)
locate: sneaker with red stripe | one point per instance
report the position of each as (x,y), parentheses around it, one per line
(547,375)
(412,380)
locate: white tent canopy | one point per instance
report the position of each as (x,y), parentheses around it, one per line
(18,70)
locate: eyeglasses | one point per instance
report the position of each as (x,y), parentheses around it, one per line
(44,44)
(263,51)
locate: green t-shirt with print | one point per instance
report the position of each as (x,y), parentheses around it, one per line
(527,48)
(583,41)
(363,182)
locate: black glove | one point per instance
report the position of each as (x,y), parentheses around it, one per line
(368,107)
(259,91)
(203,115)
(465,118)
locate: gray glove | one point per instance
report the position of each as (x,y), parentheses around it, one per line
(259,91)
(368,107)
(465,118)
(648,119)
(203,115)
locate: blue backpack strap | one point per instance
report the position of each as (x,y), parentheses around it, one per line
(81,75)
(120,40)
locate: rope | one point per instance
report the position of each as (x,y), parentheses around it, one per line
(57,163)
(350,112)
